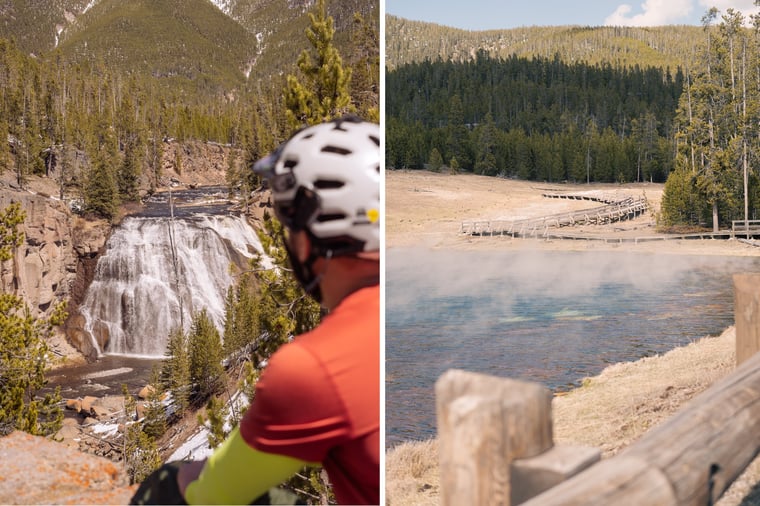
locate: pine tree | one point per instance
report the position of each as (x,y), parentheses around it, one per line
(436,160)
(101,191)
(175,371)
(215,416)
(141,456)
(365,69)
(324,92)
(205,346)
(242,320)
(155,411)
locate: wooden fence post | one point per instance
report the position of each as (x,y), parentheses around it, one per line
(484,423)
(747,315)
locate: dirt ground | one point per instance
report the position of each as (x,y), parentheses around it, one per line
(612,409)
(427,209)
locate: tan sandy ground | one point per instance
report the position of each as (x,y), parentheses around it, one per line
(611,410)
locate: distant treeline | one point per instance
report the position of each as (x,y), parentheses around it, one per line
(533,118)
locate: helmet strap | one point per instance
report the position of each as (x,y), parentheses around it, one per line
(304,271)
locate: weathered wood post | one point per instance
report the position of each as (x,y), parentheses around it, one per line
(484,423)
(747,315)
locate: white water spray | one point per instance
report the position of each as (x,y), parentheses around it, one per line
(135,299)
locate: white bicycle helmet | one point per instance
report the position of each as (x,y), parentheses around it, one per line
(325,180)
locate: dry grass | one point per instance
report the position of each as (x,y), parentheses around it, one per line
(411,474)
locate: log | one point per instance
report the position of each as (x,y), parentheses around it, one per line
(533,476)
(747,315)
(485,423)
(690,459)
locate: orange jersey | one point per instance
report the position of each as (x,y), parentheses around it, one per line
(318,400)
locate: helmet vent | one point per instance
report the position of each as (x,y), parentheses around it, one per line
(330,217)
(337,150)
(289,164)
(325,184)
(375,139)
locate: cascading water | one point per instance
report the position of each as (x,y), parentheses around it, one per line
(156,273)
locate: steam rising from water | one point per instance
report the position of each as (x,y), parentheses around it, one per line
(538,273)
(550,317)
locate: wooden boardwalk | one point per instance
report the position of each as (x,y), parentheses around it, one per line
(613,211)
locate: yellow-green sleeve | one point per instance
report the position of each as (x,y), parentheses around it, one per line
(236,473)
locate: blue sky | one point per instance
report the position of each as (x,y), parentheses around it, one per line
(494,14)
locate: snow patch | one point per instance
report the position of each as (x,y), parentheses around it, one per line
(197,447)
(223,5)
(108,429)
(90,6)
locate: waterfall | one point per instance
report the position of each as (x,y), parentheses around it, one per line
(135,299)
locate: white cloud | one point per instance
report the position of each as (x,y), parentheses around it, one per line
(746,7)
(669,12)
(654,13)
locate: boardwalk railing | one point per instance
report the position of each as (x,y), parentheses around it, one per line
(625,209)
(740,226)
(496,444)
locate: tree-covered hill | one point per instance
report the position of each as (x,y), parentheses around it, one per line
(170,40)
(218,43)
(36,26)
(666,46)
(534,118)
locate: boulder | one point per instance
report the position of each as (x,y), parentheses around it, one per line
(113,403)
(146,392)
(35,470)
(100,412)
(87,403)
(140,410)
(74,404)
(68,435)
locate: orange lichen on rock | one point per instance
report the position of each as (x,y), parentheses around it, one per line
(35,470)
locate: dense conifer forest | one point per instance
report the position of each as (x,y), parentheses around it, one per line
(533,118)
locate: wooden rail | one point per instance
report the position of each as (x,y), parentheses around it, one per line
(496,443)
(741,226)
(625,209)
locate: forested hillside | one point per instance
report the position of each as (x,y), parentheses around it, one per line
(533,118)
(675,104)
(665,46)
(118,32)
(93,114)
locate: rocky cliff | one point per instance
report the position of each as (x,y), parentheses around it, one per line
(50,264)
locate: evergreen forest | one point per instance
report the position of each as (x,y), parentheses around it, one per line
(693,126)
(537,119)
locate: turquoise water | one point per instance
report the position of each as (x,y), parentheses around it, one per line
(548,317)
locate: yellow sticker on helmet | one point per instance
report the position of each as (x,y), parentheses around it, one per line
(373,215)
